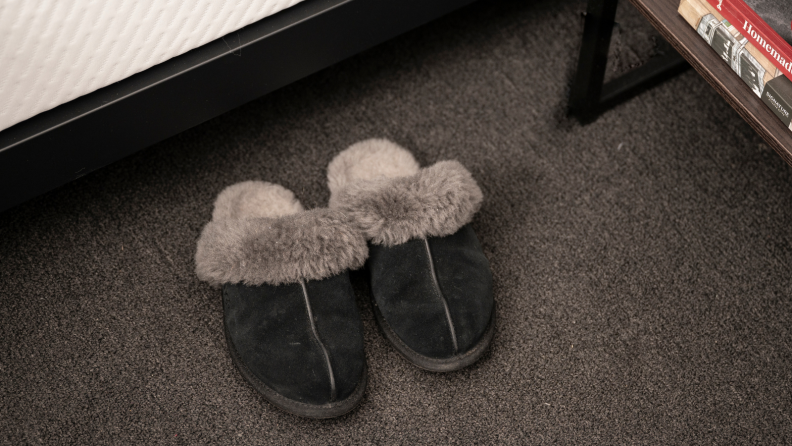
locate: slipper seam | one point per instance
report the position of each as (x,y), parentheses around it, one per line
(439,293)
(318,340)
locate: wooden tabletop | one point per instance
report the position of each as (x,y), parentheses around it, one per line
(662,14)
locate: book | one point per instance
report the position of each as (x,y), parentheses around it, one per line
(753,67)
(775,13)
(759,72)
(778,96)
(755,26)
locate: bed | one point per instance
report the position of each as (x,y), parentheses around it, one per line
(86,83)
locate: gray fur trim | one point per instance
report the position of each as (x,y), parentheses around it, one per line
(254,199)
(368,160)
(436,201)
(309,245)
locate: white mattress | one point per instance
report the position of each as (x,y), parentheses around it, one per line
(52,51)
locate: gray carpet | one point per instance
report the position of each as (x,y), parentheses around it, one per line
(641,263)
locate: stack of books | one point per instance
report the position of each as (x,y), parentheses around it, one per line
(755,38)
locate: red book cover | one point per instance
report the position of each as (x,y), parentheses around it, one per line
(777,14)
(758,31)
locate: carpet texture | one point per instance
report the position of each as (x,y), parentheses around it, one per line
(641,263)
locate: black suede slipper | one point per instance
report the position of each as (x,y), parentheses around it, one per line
(430,281)
(291,321)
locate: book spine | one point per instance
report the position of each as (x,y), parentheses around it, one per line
(776,49)
(749,19)
(742,8)
(694,10)
(776,96)
(745,60)
(774,89)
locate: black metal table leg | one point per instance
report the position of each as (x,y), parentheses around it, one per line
(586,90)
(590,96)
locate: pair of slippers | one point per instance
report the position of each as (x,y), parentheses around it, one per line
(291,321)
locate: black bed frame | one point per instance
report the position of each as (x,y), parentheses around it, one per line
(76,138)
